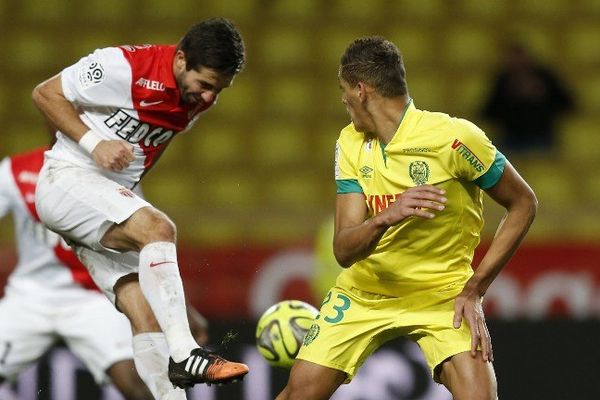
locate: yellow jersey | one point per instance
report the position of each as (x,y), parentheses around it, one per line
(428,148)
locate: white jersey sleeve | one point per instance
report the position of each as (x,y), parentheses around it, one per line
(126,93)
(101,78)
(6,185)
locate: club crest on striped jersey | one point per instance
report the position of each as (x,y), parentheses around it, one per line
(125,192)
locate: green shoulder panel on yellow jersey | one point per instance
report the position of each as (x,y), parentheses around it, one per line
(348,186)
(493,174)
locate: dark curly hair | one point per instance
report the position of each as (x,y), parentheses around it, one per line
(214,43)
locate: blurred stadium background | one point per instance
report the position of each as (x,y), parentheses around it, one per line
(251,185)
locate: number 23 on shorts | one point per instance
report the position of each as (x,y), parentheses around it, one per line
(341,304)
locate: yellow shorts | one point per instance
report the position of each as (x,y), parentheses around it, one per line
(352,324)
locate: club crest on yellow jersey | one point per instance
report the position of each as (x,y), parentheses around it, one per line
(311,335)
(419,172)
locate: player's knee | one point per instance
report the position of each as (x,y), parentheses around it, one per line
(165,230)
(160,227)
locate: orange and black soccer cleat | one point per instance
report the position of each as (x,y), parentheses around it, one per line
(203,366)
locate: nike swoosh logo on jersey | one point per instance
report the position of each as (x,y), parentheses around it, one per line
(155,264)
(145,103)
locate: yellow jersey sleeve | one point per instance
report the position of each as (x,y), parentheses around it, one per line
(346,174)
(474,157)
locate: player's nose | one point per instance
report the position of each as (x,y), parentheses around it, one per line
(208,96)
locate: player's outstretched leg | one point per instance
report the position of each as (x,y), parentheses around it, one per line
(203,366)
(151,350)
(161,284)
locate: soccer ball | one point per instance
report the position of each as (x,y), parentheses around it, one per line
(281,329)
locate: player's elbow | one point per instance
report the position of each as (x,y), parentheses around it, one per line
(47,93)
(40,95)
(342,257)
(343,262)
(532,205)
(528,205)
(37,95)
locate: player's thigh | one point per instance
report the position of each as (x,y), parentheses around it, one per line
(431,326)
(144,226)
(97,333)
(469,378)
(310,381)
(25,334)
(81,204)
(351,325)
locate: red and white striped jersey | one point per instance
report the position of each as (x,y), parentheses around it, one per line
(45,261)
(127,93)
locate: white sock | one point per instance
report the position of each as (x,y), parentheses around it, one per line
(151,357)
(161,284)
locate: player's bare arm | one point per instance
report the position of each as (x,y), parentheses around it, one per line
(48,96)
(356,236)
(513,193)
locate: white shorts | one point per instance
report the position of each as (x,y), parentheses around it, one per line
(107,267)
(81,204)
(88,324)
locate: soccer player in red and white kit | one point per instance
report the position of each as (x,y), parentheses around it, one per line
(116,111)
(50,295)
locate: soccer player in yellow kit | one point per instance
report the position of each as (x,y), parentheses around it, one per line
(408,218)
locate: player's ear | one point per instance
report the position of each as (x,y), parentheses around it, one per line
(180,62)
(362,90)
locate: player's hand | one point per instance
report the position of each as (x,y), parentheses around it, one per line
(468,306)
(113,155)
(418,201)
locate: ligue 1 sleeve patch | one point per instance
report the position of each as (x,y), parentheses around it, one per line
(91,73)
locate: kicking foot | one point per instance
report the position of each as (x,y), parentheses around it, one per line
(203,366)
